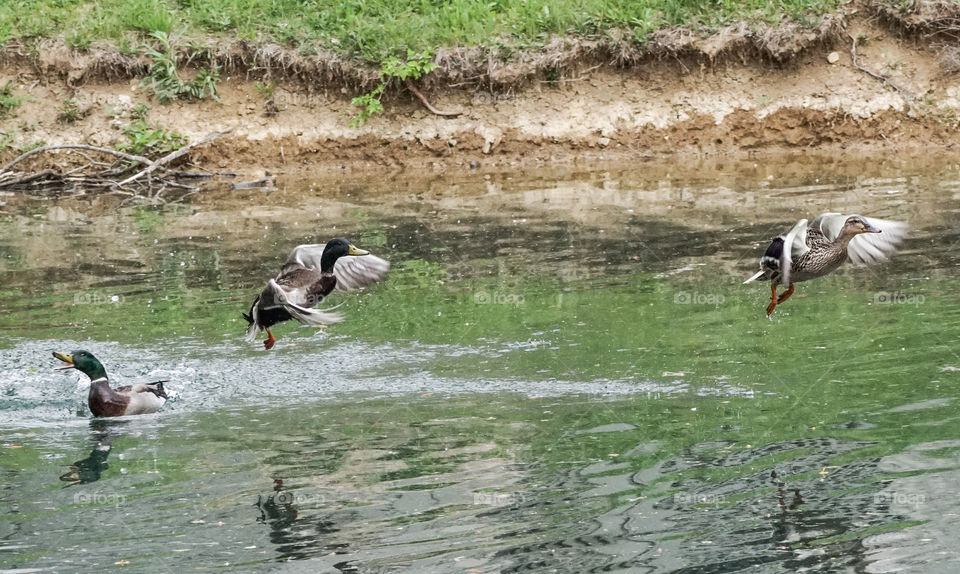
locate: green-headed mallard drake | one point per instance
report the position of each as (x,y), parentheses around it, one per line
(139,399)
(814,250)
(310,273)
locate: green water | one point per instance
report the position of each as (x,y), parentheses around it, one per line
(563,373)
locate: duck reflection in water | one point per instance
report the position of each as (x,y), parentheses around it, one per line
(782,495)
(277,506)
(295,538)
(102,434)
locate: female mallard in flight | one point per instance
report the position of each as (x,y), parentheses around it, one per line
(139,399)
(810,251)
(310,273)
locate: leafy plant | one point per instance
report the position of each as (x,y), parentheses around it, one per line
(151,140)
(415,66)
(8,100)
(166,84)
(140,112)
(70,112)
(80,39)
(6,140)
(266,90)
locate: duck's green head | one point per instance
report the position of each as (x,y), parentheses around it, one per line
(335,249)
(83,361)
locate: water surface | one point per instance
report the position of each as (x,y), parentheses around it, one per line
(562,373)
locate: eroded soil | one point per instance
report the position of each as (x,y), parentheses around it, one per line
(819,100)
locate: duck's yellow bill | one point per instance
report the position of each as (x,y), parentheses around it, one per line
(68,359)
(356,251)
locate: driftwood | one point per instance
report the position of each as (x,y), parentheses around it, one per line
(262,182)
(172,156)
(149,182)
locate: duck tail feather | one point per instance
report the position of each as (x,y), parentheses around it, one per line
(158,388)
(312,316)
(754,278)
(328,309)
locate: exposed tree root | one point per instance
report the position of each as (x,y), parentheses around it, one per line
(853,56)
(413,89)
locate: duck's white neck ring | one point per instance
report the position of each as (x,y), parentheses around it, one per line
(100,380)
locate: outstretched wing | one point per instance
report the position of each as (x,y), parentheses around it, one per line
(865,248)
(307,256)
(356,271)
(352,271)
(794,245)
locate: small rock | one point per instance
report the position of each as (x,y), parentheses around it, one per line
(603,142)
(833,57)
(491,137)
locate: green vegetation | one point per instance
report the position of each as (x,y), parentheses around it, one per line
(151,140)
(415,66)
(140,111)
(70,112)
(6,140)
(8,100)
(165,83)
(377,30)
(265,89)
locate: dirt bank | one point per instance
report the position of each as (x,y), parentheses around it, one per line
(702,104)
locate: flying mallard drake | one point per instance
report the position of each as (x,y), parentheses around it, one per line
(139,399)
(814,250)
(310,273)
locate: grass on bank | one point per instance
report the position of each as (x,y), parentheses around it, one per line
(375,30)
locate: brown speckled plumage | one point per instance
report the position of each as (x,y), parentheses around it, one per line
(807,252)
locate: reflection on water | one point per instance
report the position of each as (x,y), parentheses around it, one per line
(562,373)
(102,434)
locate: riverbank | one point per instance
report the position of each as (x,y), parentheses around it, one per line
(862,81)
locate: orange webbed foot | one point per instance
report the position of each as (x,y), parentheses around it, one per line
(270,341)
(773,299)
(785,295)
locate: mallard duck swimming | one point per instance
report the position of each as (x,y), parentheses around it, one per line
(310,273)
(136,399)
(819,248)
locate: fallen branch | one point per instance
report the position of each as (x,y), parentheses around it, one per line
(154,179)
(172,156)
(129,157)
(423,99)
(262,182)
